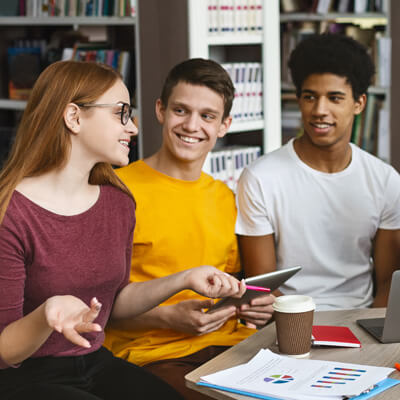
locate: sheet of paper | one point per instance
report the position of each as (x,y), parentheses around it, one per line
(297,379)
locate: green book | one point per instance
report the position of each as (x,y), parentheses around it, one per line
(9,8)
(356,132)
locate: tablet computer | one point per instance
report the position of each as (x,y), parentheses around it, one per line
(270,280)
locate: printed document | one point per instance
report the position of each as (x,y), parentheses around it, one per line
(298,379)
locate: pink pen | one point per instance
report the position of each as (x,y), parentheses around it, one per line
(258,288)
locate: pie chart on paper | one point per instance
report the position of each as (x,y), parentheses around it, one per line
(278,379)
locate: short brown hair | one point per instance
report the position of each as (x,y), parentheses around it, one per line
(202,72)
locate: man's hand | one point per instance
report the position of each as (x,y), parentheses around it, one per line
(189,317)
(258,312)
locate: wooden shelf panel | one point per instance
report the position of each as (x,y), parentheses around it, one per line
(234,39)
(288,17)
(7,104)
(30,21)
(244,126)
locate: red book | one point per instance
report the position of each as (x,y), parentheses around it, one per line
(340,336)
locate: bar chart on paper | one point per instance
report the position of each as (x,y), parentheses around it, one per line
(338,376)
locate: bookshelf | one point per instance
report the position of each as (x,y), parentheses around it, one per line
(164,33)
(265,42)
(75,21)
(119,32)
(180,30)
(395,92)
(372,28)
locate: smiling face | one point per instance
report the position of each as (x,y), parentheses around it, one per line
(328,109)
(192,122)
(101,136)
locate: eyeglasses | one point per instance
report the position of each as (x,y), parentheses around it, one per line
(126,109)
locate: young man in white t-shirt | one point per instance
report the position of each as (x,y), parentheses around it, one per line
(320,201)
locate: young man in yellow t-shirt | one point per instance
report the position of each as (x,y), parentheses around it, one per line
(185,218)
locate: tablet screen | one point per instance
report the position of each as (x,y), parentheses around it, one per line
(270,280)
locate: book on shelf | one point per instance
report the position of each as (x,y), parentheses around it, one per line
(370,124)
(100,52)
(360,6)
(356,130)
(365,36)
(292,34)
(383,61)
(9,8)
(292,126)
(339,336)
(383,142)
(75,8)
(380,49)
(324,6)
(228,163)
(343,6)
(247,79)
(234,16)
(24,67)
(366,126)
(337,6)
(290,6)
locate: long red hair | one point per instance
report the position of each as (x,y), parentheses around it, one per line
(42,142)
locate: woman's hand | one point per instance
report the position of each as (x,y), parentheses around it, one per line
(211,282)
(70,316)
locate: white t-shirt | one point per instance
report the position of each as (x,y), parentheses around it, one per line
(325,222)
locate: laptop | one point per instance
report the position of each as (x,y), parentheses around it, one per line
(386,330)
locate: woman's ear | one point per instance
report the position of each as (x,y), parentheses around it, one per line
(71,118)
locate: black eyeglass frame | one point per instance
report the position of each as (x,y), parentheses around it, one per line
(126,110)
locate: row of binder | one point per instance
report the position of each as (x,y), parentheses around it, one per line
(227,164)
(234,16)
(247,79)
(76,8)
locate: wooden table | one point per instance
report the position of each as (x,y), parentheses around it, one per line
(371,353)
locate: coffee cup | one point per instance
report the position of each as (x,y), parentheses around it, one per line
(294,319)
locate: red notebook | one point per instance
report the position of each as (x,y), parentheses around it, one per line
(340,336)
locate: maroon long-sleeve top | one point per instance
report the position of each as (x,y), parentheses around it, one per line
(43,254)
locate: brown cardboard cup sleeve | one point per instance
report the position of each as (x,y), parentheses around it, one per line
(294,319)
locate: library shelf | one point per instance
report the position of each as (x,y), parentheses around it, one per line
(80,21)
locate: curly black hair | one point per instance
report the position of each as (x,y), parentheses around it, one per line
(334,54)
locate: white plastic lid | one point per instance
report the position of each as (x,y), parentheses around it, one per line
(293,304)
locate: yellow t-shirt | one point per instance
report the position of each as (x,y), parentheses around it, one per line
(179,225)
